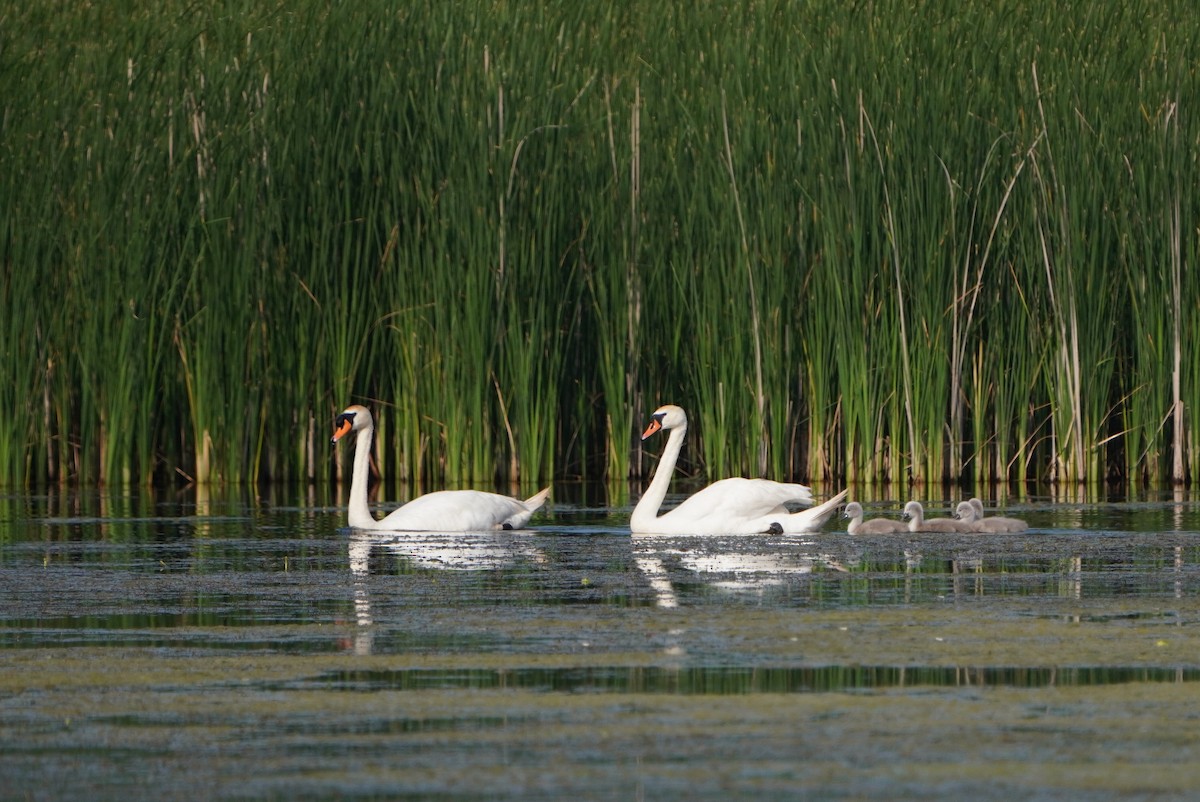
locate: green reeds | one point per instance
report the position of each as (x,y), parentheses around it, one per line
(880,244)
(1152,255)
(1075,240)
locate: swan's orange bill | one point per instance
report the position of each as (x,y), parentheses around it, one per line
(340,429)
(654,426)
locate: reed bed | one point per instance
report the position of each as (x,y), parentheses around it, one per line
(905,242)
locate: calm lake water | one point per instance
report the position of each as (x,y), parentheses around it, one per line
(174,647)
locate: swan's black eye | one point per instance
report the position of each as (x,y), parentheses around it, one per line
(658,416)
(345,417)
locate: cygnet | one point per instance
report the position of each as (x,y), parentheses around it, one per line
(875,526)
(917,522)
(997,523)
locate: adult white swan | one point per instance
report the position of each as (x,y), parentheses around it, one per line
(441,511)
(728,507)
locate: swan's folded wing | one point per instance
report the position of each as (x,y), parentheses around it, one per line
(456,511)
(745,498)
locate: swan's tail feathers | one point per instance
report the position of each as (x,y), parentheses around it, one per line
(537,500)
(813,518)
(828,508)
(528,507)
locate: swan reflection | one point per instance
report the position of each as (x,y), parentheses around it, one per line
(735,565)
(443,551)
(429,551)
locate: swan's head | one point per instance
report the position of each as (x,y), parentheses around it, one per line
(668,416)
(353,418)
(913,509)
(853,510)
(965,511)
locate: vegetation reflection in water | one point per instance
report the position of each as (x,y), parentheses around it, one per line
(306,660)
(723,681)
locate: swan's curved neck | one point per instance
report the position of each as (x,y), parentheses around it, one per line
(646,511)
(360,516)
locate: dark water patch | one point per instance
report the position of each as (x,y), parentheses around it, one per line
(726,681)
(148,520)
(1171,617)
(184,639)
(199,644)
(104,560)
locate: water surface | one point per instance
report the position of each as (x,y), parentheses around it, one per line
(252,647)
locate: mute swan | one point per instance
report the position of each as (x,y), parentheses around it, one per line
(728,507)
(919,523)
(997,523)
(875,526)
(442,511)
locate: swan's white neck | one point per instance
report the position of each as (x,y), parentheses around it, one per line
(646,511)
(360,516)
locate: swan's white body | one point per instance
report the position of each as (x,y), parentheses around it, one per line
(728,507)
(441,511)
(919,523)
(875,526)
(997,523)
